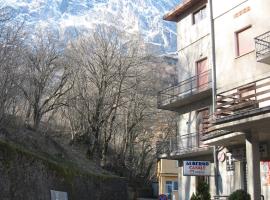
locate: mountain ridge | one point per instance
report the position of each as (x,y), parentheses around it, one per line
(140,16)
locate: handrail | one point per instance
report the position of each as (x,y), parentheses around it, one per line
(189,86)
(180,143)
(243,98)
(262,43)
(187,80)
(262,35)
(220,197)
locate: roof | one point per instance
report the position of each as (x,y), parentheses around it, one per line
(182,8)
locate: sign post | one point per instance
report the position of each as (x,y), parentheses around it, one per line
(197,168)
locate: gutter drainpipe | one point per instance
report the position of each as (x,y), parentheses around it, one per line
(216,167)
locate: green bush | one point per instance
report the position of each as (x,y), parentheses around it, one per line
(239,195)
(202,192)
(194,197)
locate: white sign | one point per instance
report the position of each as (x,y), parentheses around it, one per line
(197,168)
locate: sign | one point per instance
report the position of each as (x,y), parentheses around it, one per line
(197,168)
(57,195)
(230,166)
(265,173)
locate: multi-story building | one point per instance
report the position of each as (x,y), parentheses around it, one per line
(168,178)
(223,97)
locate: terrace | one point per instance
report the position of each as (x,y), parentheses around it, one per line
(186,92)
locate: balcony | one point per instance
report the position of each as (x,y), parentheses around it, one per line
(184,146)
(186,92)
(262,44)
(243,109)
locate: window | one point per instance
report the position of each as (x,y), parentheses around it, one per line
(244,41)
(199,15)
(175,185)
(170,187)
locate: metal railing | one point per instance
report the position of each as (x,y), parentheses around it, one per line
(225,197)
(191,86)
(244,99)
(180,144)
(221,197)
(262,44)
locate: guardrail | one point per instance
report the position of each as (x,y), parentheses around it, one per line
(243,99)
(193,85)
(262,44)
(180,144)
(221,197)
(225,197)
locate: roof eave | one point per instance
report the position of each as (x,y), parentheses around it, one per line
(174,14)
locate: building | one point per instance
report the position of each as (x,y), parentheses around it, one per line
(168,178)
(223,96)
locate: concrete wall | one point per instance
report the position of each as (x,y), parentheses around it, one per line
(25,176)
(229,181)
(193,44)
(168,166)
(167,171)
(233,71)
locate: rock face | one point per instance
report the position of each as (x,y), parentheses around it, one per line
(133,16)
(27,176)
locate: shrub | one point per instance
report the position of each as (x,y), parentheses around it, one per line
(239,195)
(194,197)
(202,192)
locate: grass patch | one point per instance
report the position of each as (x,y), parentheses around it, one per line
(63,168)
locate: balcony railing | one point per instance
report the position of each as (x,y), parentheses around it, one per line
(180,145)
(249,99)
(262,43)
(185,89)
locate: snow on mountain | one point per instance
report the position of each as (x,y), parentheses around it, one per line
(134,16)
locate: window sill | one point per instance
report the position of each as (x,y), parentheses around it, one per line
(245,54)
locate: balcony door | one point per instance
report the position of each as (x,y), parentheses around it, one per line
(202,74)
(202,123)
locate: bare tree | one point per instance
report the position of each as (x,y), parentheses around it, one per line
(11,39)
(106,62)
(44,77)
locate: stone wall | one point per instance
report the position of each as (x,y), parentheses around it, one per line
(27,176)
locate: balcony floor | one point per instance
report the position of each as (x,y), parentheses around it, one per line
(255,119)
(231,130)
(194,153)
(184,100)
(264,58)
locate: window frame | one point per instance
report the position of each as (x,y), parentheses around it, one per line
(175,183)
(196,12)
(236,38)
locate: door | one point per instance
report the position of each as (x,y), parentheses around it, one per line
(202,74)
(169,189)
(202,123)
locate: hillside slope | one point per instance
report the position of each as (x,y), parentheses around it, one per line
(32,164)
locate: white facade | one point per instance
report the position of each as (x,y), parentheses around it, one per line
(231,16)
(240,124)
